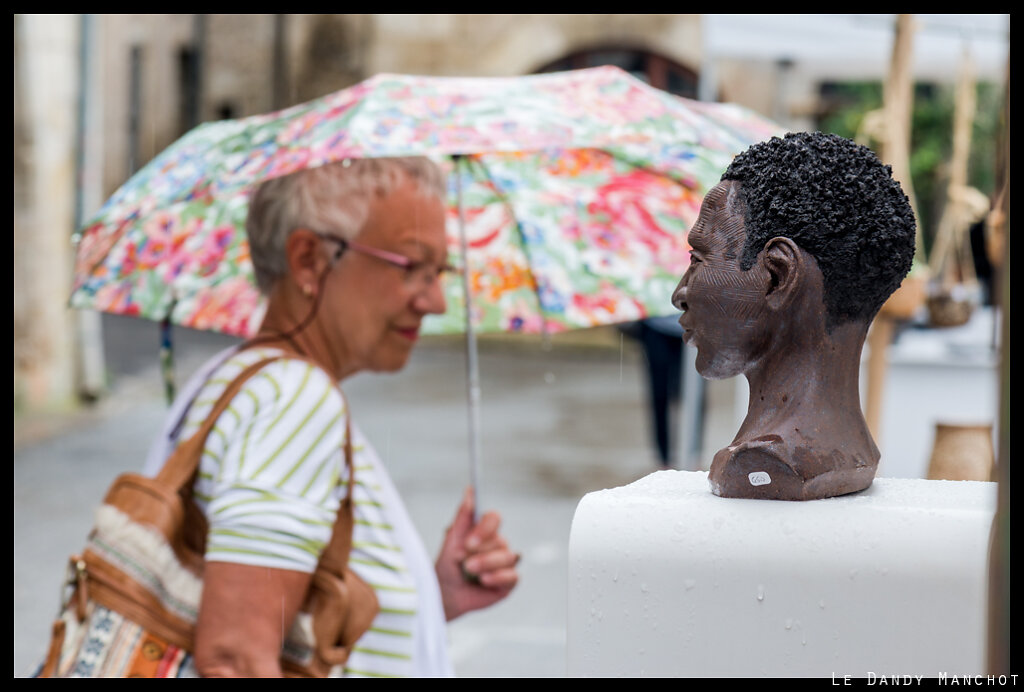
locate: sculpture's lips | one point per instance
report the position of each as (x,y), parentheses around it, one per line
(687,332)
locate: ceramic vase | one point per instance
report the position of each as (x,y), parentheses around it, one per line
(962,453)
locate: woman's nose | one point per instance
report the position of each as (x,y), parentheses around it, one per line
(430,301)
(679,296)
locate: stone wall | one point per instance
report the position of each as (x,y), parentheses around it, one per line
(511,44)
(44,130)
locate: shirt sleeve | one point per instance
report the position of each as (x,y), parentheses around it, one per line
(272,468)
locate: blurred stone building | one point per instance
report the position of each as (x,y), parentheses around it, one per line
(97,96)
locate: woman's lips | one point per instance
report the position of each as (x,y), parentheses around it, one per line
(410,333)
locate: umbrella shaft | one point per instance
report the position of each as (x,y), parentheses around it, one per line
(472,369)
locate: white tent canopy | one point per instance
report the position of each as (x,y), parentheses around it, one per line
(841,47)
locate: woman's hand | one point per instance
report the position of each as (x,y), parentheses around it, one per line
(244,615)
(475,568)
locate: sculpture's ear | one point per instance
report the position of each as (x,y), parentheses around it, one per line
(785,264)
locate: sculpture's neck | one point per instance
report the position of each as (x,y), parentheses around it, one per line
(815,379)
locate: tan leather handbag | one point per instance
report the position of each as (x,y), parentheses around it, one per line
(134,591)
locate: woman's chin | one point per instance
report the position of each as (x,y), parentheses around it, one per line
(392,361)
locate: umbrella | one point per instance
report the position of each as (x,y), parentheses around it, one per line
(572,193)
(578,188)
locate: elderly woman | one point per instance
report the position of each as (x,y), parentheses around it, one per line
(349,256)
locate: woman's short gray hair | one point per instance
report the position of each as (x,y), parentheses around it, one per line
(332,198)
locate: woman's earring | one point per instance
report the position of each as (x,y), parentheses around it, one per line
(307,290)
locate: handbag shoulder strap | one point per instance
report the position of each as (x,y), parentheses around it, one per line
(334,559)
(181,466)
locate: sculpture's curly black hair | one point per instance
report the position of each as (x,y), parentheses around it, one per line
(837,201)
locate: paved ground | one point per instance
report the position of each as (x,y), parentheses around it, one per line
(555,424)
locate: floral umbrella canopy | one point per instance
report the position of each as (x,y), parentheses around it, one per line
(576,190)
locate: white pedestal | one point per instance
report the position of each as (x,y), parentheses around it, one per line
(666,579)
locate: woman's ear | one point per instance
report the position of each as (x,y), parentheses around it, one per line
(306,260)
(785,264)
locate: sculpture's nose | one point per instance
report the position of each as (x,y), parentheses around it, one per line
(679,296)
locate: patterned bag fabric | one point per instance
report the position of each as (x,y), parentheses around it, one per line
(134,591)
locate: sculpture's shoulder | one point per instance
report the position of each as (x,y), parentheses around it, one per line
(769,467)
(754,468)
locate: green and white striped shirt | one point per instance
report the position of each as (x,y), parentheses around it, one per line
(270,482)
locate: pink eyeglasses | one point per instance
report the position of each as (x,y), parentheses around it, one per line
(414,273)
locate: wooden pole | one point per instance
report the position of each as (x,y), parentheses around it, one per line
(951,246)
(999,615)
(898,102)
(878,341)
(898,98)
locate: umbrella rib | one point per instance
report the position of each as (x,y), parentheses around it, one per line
(647,169)
(114,238)
(522,236)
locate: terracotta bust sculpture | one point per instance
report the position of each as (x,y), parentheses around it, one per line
(793,253)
